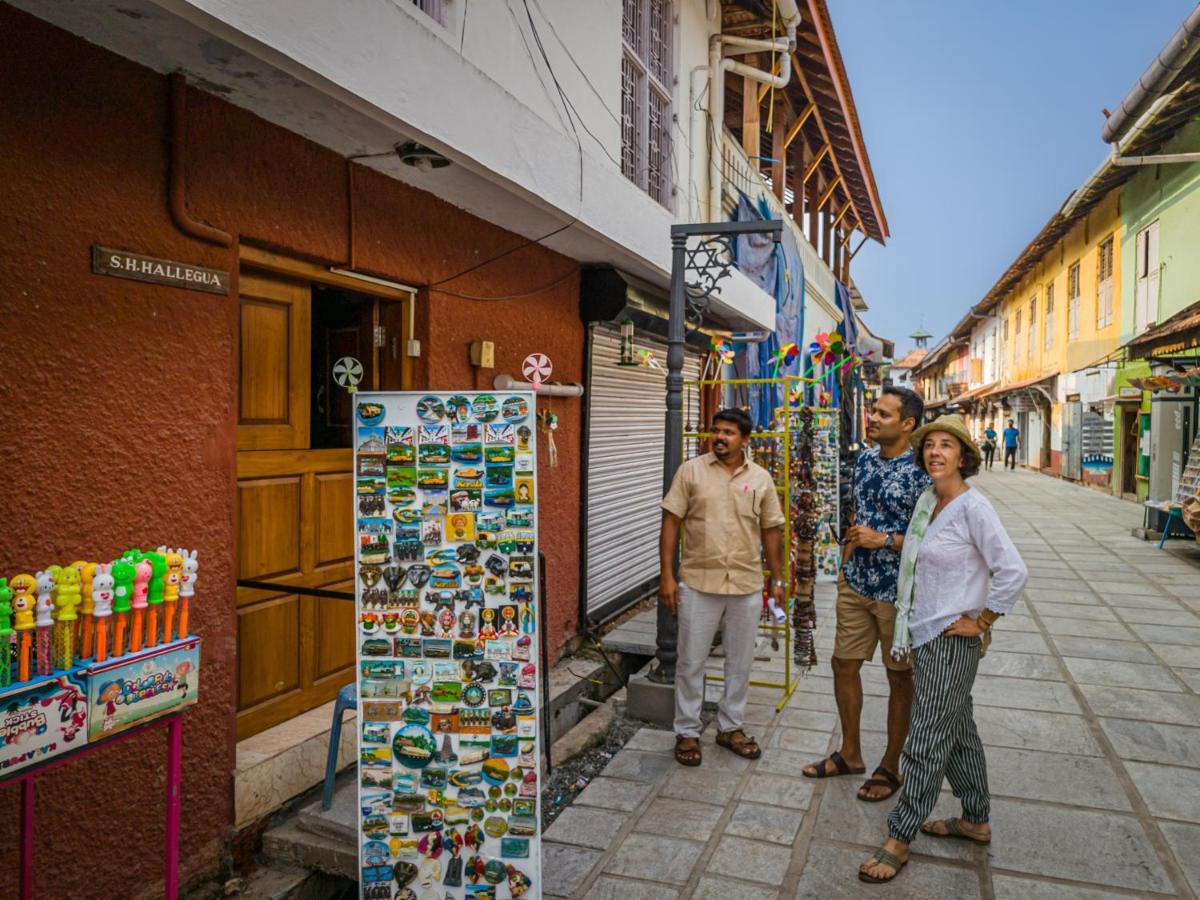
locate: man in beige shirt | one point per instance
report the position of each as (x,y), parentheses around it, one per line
(729,511)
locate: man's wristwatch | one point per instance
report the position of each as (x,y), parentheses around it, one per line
(889,542)
(777,583)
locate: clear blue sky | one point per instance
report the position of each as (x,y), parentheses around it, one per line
(979,119)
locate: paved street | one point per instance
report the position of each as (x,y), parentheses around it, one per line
(1087,704)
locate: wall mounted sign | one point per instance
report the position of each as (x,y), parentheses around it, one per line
(118,263)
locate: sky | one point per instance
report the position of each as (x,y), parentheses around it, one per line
(979,119)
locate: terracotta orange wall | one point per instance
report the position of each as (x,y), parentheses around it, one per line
(119,398)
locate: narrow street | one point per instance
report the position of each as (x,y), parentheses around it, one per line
(1086,702)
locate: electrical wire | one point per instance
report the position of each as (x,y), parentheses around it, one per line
(530,293)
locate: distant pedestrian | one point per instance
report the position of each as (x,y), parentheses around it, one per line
(989,445)
(729,512)
(1012,443)
(959,573)
(887,483)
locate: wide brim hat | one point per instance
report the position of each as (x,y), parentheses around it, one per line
(951,424)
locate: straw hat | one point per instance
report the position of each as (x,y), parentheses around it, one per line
(951,424)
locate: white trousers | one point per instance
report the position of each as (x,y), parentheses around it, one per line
(699,616)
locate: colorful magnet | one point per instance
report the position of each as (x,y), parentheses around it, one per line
(371,413)
(414,746)
(430,410)
(514,410)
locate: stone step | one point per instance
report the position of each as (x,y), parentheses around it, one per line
(340,821)
(290,844)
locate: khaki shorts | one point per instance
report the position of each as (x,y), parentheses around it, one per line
(861,624)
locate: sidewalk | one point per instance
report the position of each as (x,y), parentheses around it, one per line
(1087,704)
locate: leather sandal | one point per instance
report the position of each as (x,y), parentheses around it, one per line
(954,829)
(840,765)
(881,777)
(740,743)
(687,751)
(887,859)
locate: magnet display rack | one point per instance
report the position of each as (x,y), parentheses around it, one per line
(773,450)
(446,577)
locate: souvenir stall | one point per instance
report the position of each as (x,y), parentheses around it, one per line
(91,654)
(446,578)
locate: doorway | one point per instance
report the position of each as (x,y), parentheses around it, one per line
(295,515)
(1129,451)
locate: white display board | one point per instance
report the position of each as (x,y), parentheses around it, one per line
(446,581)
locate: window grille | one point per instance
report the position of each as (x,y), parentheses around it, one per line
(435,9)
(647,83)
(1104,271)
(1073,302)
(1049,327)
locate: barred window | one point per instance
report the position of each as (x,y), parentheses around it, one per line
(1104,286)
(1032,326)
(435,9)
(1049,328)
(647,82)
(1073,302)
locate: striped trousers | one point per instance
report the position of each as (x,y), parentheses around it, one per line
(942,738)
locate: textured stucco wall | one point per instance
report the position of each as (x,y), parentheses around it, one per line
(119,398)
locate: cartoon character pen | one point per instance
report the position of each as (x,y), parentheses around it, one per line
(23,604)
(6,631)
(44,618)
(158,564)
(66,598)
(103,593)
(87,575)
(141,587)
(171,585)
(123,574)
(187,589)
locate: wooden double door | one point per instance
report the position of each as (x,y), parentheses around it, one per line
(295,485)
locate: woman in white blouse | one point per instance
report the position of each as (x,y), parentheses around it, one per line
(959,573)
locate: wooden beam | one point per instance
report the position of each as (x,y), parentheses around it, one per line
(798,124)
(807,88)
(829,191)
(840,216)
(764,88)
(751,123)
(814,163)
(826,239)
(778,150)
(810,202)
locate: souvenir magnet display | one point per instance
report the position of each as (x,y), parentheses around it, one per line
(445,578)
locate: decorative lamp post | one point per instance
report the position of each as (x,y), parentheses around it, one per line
(696,271)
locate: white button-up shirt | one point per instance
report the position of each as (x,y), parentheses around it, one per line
(967,563)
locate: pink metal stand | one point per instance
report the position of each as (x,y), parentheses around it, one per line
(174,725)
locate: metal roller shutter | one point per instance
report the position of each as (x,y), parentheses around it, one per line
(626,408)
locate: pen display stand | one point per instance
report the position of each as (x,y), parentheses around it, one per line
(446,581)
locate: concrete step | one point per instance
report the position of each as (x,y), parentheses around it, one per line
(340,821)
(291,844)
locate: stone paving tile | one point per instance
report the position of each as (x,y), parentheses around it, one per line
(711,888)
(1169,791)
(804,718)
(799,739)
(1178,655)
(636,765)
(1056,777)
(1088,628)
(1125,601)
(752,860)
(1019,665)
(1121,674)
(652,740)
(1174,617)
(1147,706)
(586,826)
(1014,622)
(780,790)
(832,872)
(1191,677)
(680,818)
(654,858)
(1095,612)
(1082,845)
(1094,648)
(614,793)
(1154,742)
(1055,584)
(784,762)
(1025,730)
(1081,595)
(1136,586)
(1008,887)
(565,868)
(1154,634)
(817,702)
(609,888)
(1023,693)
(1017,642)
(709,785)
(765,823)
(1185,842)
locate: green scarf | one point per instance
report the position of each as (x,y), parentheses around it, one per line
(906,587)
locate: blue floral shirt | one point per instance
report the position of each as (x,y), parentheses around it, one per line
(885,493)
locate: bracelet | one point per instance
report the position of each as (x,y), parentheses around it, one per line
(988,618)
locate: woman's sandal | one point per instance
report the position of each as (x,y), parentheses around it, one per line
(881,777)
(882,856)
(740,743)
(843,768)
(953,830)
(687,751)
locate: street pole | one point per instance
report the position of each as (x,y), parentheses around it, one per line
(710,261)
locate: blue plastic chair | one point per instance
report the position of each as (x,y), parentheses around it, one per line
(347,698)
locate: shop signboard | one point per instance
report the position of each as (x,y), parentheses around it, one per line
(446,587)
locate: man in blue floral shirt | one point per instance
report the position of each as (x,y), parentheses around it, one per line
(887,483)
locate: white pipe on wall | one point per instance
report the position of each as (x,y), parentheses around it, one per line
(508,383)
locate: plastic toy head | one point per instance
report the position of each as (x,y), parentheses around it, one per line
(22,584)
(103,587)
(123,574)
(190,565)
(6,596)
(45,582)
(158,563)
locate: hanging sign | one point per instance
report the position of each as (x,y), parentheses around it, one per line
(118,263)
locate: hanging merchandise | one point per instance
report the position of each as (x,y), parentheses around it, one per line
(537,369)
(646,358)
(826,446)
(446,584)
(805,512)
(627,344)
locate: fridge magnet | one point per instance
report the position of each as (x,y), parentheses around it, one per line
(485,407)
(466,433)
(465,500)
(434,454)
(371,413)
(499,497)
(498,454)
(524,489)
(469,479)
(458,408)
(514,410)
(524,437)
(460,526)
(499,434)
(430,410)
(467,453)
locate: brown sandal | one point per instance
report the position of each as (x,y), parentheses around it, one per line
(740,743)
(883,778)
(687,751)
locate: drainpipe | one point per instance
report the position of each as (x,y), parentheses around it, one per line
(720,48)
(695,121)
(177,188)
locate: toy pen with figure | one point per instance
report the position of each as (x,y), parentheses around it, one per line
(187,589)
(102,604)
(123,574)
(44,617)
(66,598)
(171,586)
(84,624)
(6,632)
(141,587)
(23,605)
(158,564)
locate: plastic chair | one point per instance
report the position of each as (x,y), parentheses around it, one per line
(347,698)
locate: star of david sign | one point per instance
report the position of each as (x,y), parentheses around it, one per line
(709,261)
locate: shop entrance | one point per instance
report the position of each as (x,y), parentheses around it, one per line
(295,484)
(1129,451)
